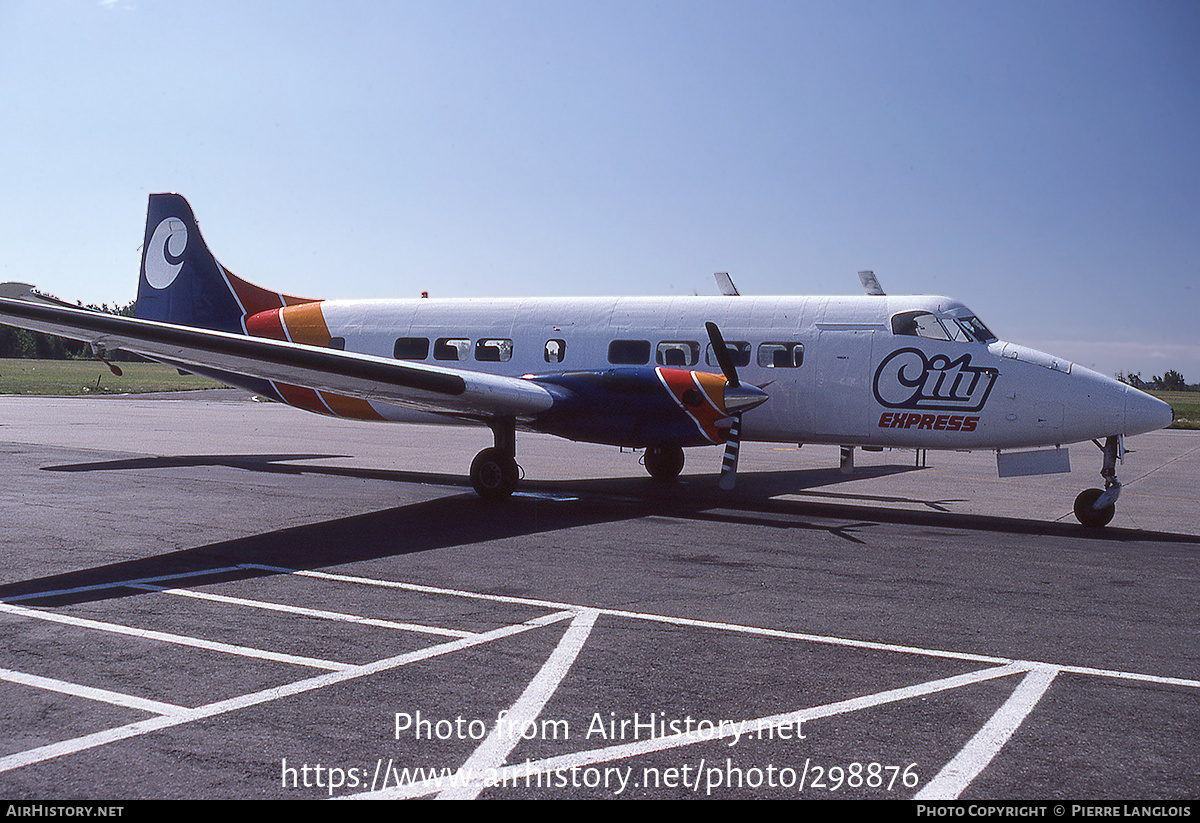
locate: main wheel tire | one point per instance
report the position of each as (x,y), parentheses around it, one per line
(664,465)
(1087,514)
(494,474)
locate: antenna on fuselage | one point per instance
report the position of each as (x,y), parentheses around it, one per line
(725,284)
(870,283)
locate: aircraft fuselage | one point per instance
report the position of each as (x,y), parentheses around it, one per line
(837,370)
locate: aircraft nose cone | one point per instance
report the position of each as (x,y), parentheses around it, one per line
(1144,413)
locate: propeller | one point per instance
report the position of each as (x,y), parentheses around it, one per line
(739,398)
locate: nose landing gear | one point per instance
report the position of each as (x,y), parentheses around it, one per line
(1095,508)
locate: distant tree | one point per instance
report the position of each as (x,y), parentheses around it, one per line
(123,311)
(1173,381)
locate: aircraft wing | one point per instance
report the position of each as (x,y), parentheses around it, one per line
(423,386)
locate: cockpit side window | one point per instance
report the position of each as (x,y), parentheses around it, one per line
(919,324)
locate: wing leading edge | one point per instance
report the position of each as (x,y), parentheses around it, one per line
(426,387)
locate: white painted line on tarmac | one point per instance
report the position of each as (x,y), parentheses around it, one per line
(956,775)
(519,774)
(177,639)
(90,741)
(734,627)
(677,621)
(494,750)
(306,612)
(101,695)
(415,587)
(491,755)
(120,584)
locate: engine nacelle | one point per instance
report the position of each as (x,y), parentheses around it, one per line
(643,407)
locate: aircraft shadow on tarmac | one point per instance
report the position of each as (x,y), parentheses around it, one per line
(541,507)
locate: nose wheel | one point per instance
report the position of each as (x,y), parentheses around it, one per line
(1087,513)
(1095,508)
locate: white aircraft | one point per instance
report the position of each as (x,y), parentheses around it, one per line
(657,373)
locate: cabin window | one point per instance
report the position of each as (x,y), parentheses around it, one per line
(493,350)
(739,352)
(677,353)
(555,351)
(918,324)
(780,355)
(411,348)
(629,352)
(338,343)
(451,348)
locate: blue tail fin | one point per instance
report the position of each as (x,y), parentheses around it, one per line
(182,283)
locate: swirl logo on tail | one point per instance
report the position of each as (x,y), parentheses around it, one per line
(164,257)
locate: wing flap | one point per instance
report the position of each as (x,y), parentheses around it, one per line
(417,385)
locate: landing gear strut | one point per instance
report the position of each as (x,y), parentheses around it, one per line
(494,471)
(665,464)
(1095,508)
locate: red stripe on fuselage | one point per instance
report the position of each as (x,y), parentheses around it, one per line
(302,398)
(694,391)
(266,324)
(255,299)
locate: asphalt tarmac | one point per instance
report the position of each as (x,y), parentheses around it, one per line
(207,597)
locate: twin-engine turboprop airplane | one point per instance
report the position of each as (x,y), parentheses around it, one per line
(654,373)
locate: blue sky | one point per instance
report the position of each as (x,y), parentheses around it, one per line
(1036,160)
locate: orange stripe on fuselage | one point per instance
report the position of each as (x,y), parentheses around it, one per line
(353,407)
(306,324)
(701,396)
(713,386)
(327,403)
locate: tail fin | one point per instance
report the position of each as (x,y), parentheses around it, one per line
(182,283)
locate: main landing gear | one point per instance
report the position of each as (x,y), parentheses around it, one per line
(664,464)
(1095,508)
(494,471)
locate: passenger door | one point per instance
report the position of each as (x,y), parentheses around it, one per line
(843,404)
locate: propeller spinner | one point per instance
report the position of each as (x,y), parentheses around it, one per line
(739,398)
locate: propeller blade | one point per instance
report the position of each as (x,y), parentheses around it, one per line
(737,399)
(733,444)
(721,352)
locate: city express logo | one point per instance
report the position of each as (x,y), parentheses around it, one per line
(908,380)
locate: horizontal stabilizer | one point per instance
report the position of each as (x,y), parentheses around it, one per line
(24,291)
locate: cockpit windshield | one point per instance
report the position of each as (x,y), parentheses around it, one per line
(927,324)
(975,328)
